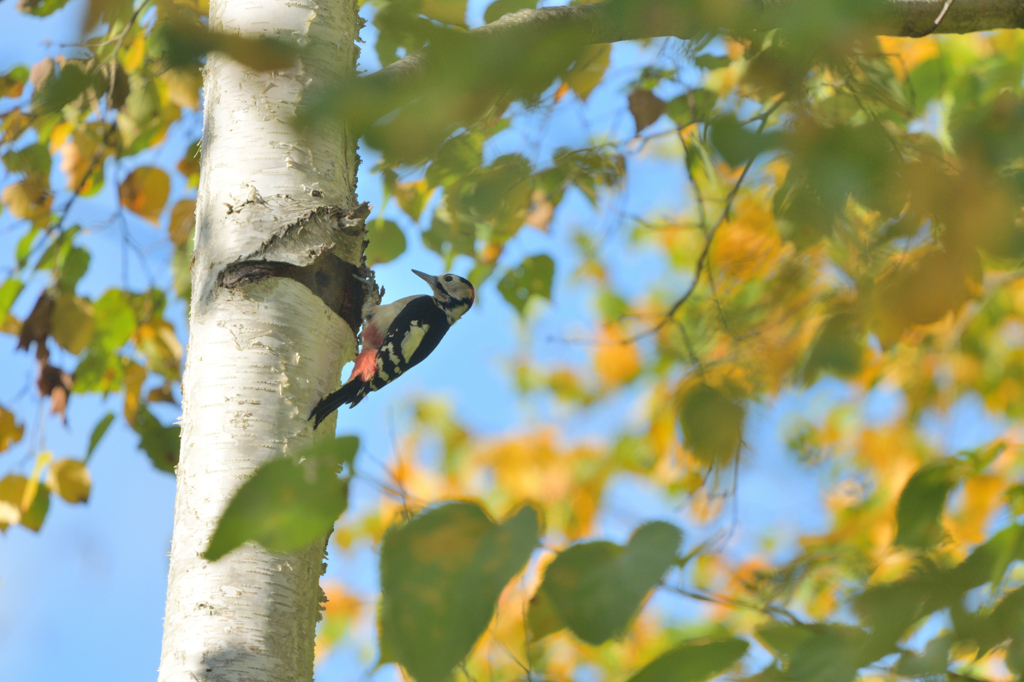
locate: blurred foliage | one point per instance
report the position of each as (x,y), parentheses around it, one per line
(851,225)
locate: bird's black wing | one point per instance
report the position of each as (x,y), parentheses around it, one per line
(422,317)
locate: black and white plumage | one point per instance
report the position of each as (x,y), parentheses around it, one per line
(398,336)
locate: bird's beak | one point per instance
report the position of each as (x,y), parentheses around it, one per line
(429,279)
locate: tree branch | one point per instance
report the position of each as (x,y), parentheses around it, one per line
(614,21)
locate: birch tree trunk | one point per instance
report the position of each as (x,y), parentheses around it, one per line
(276,221)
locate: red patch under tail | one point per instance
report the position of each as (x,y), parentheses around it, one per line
(365,365)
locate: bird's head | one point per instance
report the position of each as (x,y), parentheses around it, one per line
(453,293)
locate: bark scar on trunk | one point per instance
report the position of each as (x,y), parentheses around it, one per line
(342,286)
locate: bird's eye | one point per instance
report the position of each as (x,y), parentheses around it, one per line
(448,278)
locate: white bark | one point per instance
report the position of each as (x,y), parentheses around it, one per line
(259,356)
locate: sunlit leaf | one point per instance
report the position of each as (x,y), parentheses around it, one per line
(70,479)
(441,575)
(145,192)
(13,82)
(72,323)
(183,221)
(115,320)
(288,502)
(412,196)
(9,291)
(448,11)
(10,431)
(588,70)
(596,588)
(40,8)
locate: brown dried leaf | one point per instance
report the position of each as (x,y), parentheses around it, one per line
(37,326)
(57,384)
(645,107)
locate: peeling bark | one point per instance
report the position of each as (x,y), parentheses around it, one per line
(279,240)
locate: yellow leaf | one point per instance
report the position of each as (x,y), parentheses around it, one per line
(183,88)
(10,432)
(11,490)
(145,192)
(71,323)
(183,219)
(70,479)
(448,11)
(132,56)
(28,199)
(588,70)
(412,196)
(616,360)
(134,375)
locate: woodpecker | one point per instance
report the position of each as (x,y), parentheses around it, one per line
(398,336)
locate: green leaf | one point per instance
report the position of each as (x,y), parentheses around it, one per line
(97,434)
(181,44)
(597,588)
(737,144)
(8,294)
(41,8)
(457,158)
(72,323)
(530,278)
(31,161)
(919,512)
(13,82)
(989,561)
(73,266)
(386,242)
(500,8)
(782,639)
(115,320)
(161,443)
(289,502)
(712,424)
(926,82)
(441,575)
(694,106)
(693,661)
(933,661)
(70,83)
(833,653)
(838,349)
(709,61)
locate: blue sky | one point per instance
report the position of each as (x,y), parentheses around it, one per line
(83,599)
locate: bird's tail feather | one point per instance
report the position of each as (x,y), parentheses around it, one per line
(351,393)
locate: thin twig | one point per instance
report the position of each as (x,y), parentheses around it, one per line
(705,252)
(938,20)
